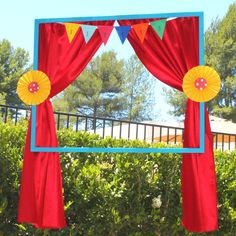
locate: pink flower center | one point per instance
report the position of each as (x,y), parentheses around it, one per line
(200,83)
(33,87)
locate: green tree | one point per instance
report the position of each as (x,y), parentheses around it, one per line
(97,91)
(221,55)
(138,91)
(13,63)
(220,51)
(109,87)
(177,100)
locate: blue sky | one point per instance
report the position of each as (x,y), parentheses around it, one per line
(17,17)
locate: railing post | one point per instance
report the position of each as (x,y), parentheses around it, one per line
(152,133)
(144,136)
(103,129)
(86,124)
(128,130)
(168,134)
(112,124)
(77,123)
(68,121)
(120,129)
(137,131)
(216,140)
(175,135)
(95,124)
(223,137)
(58,121)
(160,138)
(16,116)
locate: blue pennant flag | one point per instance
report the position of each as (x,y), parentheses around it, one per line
(88,31)
(123,32)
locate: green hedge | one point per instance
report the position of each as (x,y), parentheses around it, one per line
(112,194)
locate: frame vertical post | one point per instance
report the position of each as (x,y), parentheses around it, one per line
(35,67)
(201,62)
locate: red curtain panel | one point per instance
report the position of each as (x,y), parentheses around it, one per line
(168,60)
(41,199)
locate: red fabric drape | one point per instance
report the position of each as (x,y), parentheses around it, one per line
(168,60)
(41,200)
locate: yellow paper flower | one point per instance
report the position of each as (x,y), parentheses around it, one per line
(201,83)
(33,87)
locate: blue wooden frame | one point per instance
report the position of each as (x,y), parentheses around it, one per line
(199,149)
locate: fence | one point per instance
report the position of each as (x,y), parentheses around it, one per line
(118,128)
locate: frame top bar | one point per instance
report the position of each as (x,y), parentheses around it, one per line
(119,17)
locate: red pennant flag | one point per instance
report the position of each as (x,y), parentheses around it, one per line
(105,32)
(140,30)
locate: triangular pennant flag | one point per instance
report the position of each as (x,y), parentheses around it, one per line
(123,32)
(140,30)
(71,30)
(105,32)
(159,27)
(88,31)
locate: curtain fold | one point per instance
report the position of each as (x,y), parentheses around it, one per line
(168,60)
(41,199)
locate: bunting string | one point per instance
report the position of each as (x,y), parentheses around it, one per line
(122,31)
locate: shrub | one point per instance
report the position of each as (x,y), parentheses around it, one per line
(112,194)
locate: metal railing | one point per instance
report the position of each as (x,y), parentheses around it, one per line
(13,113)
(115,128)
(224,141)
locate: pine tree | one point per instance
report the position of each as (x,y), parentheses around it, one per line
(109,87)
(220,51)
(138,91)
(13,63)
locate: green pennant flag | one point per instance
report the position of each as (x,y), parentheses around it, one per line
(159,27)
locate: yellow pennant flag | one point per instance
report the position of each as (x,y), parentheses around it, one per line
(71,30)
